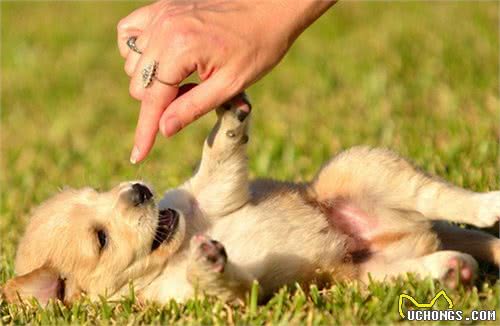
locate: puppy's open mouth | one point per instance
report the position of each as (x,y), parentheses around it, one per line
(168,220)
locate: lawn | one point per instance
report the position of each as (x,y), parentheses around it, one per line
(421,78)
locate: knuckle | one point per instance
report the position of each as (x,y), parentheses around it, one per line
(135,90)
(122,26)
(178,41)
(165,24)
(129,70)
(182,39)
(148,98)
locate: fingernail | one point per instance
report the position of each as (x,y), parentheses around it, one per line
(171,126)
(135,155)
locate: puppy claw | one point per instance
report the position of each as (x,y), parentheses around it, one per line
(234,112)
(241,114)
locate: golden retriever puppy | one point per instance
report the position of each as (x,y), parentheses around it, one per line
(367,212)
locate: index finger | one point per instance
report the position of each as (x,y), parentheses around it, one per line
(156,99)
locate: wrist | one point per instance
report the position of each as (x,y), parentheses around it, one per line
(303,13)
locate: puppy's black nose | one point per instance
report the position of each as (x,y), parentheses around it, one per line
(140,194)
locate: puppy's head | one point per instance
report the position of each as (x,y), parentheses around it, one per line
(95,243)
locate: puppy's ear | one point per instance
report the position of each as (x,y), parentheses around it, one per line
(43,283)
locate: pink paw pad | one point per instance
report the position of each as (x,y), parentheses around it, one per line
(212,252)
(460,271)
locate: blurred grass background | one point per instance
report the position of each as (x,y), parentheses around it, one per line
(419,77)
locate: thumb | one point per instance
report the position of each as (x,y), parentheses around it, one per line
(196,102)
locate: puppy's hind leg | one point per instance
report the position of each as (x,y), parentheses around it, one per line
(479,244)
(451,267)
(389,180)
(220,184)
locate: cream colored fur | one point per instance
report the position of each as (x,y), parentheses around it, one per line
(367,212)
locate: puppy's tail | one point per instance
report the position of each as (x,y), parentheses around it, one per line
(478,244)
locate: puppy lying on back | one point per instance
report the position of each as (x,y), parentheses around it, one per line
(367,212)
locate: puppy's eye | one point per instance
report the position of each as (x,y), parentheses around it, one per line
(102,237)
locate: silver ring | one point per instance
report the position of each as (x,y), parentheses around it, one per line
(132,46)
(149,74)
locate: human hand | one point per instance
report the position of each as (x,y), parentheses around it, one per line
(230,44)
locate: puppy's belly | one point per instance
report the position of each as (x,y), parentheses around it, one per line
(355,223)
(280,245)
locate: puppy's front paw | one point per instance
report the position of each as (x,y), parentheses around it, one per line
(233,117)
(489,209)
(208,255)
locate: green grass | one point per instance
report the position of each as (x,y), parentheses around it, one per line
(420,78)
